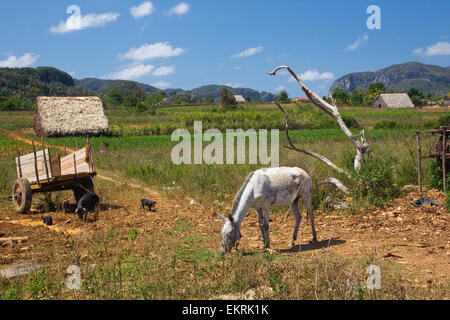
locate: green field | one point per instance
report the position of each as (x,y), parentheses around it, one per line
(133,154)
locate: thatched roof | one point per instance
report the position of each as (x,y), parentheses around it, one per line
(393,100)
(239,98)
(61,116)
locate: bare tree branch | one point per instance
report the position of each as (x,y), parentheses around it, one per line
(361,145)
(338,184)
(312,154)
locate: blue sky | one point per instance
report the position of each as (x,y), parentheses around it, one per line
(186,44)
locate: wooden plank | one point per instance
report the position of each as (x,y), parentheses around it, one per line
(32,168)
(30,156)
(42,178)
(45,160)
(79,154)
(35,163)
(77,159)
(40,155)
(91,159)
(59,164)
(67,165)
(50,162)
(18,162)
(38,169)
(84,168)
(75,163)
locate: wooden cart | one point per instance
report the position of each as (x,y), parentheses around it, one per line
(40,172)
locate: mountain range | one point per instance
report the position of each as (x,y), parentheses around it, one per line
(400,77)
(32,82)
(99,85)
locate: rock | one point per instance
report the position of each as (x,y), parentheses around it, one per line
(18,269)
(263,292)
(193,202)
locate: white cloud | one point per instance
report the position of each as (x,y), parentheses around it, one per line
(280,88)
(248,52)
(161,84)
(152,51)
(78,22)
(164,71)
(142,10)
(132,72)
(24,61)
(180,9)
(357,43)
(418,51)
(233,85)
(441,48)
(313,75)
(237,68)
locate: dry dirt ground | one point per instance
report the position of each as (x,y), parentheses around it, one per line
(417,238)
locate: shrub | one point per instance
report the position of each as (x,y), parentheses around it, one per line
(435,174)
(227,99)
(283,96)
(386,124)
(375,182)
(444,120)
(350,122)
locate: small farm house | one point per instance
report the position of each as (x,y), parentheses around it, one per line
(62,116)
(393,101)
(239,98)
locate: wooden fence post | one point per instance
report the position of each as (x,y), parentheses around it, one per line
(444,156)
(419,161)
(35,164)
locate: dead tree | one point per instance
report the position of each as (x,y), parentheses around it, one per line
(362,147)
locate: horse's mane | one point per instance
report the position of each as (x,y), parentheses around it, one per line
(238,196)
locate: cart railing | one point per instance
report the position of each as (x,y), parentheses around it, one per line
(39,167)
(34,166)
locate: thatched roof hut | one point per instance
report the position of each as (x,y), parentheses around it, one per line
(69,116)
(239,98)
(393,101)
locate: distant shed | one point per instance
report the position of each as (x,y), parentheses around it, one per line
(69,116)
(393,101)
(239,98)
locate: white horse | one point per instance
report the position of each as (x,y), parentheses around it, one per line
(263,189)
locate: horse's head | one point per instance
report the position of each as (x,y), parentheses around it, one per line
(230,234)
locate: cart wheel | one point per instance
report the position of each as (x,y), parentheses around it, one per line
(86,184)
(22,195)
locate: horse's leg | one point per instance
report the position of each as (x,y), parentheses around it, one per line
(298,219)
(307,201)
(261,225)
(266,212)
